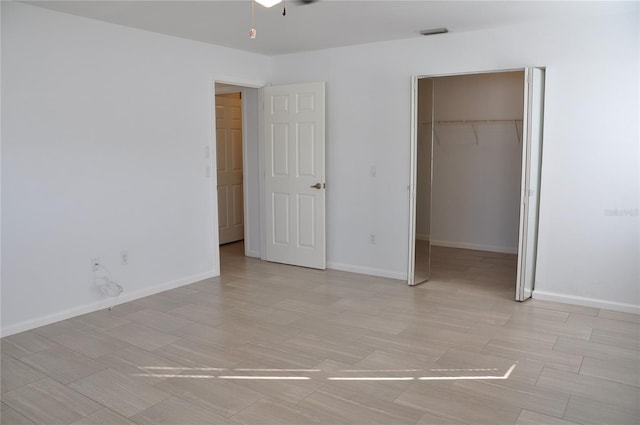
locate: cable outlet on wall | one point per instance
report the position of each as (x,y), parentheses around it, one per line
(95,264)
(372,239)
(124,257)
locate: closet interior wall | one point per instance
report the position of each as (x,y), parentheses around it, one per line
(477,148)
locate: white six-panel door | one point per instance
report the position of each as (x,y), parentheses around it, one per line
(294,181)
(229,167)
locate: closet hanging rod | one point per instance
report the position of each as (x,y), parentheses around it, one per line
(474,121)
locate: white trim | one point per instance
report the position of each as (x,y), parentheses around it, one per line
(587,302)
(234,81)
(413,178)
(102,304)
(367,270)
(476,247)
(470,72)
(251,253)
(229,90)
(261,172)
(213,174)
(246,224)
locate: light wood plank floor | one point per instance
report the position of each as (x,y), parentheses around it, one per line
(273,344)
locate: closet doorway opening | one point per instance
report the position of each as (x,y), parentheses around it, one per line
(476,154)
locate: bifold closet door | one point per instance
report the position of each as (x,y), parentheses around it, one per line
(530,183)
(421,176)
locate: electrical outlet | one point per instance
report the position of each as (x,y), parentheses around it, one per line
(95,264)
(124,257)
(372,239)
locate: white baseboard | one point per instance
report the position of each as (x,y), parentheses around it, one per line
(367,270)
(586,302)
(476,247)
(102,304)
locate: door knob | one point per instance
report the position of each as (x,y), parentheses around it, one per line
(317,186)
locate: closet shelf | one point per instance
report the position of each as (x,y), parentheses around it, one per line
(474,126)
(473,121)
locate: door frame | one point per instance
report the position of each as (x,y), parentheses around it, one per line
(243,84)
(413,177)
(413,158)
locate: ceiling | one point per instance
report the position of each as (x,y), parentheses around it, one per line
(326,23)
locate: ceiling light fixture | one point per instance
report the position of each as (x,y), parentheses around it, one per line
(265,3)
(268,3)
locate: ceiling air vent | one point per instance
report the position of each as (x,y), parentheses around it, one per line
(434,31)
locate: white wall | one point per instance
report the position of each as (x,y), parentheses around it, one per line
(476,174)
(104,129)
(590,159)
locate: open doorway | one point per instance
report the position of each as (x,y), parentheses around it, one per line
(229,166)
(283,172)
(237,168)
(471,145)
